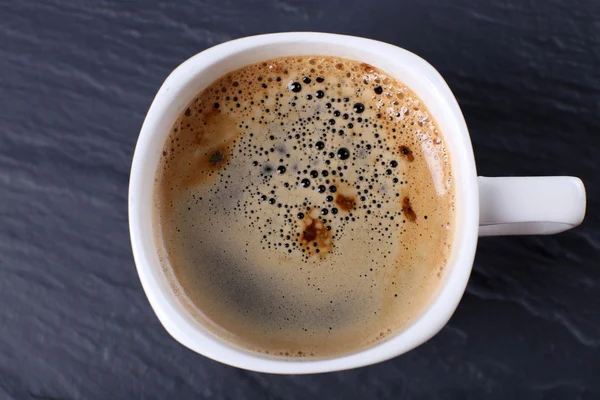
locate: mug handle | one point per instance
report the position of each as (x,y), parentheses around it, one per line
(530,205)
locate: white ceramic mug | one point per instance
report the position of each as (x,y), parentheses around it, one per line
(484,206)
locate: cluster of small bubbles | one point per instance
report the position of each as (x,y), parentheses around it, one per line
(316,153)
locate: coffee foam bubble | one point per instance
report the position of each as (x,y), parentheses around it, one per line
(304,206)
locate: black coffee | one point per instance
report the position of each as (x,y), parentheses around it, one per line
(305,206)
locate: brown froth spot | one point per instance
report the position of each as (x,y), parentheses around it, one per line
(310,232)
(407,209)
(367,68)
(210,148)
(407,153)
(345,203)
(315,236)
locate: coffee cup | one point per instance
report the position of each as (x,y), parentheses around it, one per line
(484,206)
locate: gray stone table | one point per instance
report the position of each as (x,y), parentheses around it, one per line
(76,79)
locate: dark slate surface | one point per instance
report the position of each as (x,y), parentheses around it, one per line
(76,79)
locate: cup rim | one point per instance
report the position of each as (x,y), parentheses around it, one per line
(178,324)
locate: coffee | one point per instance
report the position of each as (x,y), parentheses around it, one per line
(304,207)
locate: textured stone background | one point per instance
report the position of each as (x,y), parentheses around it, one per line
(76,79)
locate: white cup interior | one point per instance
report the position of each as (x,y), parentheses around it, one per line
(200,71)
